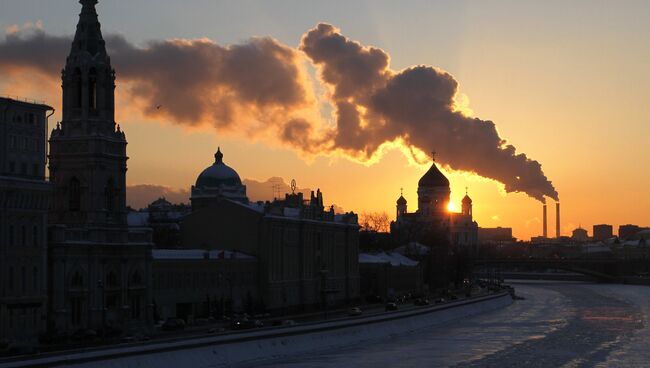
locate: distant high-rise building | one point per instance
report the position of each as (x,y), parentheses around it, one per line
(24,201)
(628,231)
(602,232)
(495,235)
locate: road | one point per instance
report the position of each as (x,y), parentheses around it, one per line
(559,324)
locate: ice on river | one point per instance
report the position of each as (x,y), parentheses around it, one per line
(557,325)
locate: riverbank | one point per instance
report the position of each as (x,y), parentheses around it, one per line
(269,343)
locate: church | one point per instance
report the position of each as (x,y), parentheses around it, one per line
(99,271)
(433,214)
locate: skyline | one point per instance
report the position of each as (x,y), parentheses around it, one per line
(151,162)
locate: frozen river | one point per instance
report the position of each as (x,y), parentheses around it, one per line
(557,325)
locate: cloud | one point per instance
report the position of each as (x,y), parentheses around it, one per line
(375,104)
(260,88)
(140,196)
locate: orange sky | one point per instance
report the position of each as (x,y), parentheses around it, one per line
(573,99)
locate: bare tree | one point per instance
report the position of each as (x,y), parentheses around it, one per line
(374,221)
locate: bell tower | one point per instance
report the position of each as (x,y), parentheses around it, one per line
(87,149)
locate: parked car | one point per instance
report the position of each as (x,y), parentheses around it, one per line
(173,324)
(356,311)
(246,324)
(391,306)
(421,301)
(440,300)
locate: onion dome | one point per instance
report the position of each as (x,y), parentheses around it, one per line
(433,178)
(219,174)
(401,200)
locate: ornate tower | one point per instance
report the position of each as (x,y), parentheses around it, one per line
(99,270)
(87,151)
(401,206)
(467,205)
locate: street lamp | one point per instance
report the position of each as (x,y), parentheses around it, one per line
(100,286)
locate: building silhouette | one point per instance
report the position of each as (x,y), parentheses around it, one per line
(603,232)
(24,201)
(99,272)
(433,214)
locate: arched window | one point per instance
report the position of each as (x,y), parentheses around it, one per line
(77,280)
(76,82)
(136,279)
(75,194)
(92,89)
(111,280)
(109,193)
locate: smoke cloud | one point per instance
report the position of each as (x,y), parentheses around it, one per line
(375,104)
(262,86)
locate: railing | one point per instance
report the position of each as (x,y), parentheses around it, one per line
(23,99)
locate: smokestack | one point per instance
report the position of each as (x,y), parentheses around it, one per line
(545,233)
(557,220)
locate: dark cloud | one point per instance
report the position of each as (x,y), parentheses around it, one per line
(375,104)
(260,87)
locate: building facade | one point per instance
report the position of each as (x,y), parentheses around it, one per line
(307,255)
(99,271)
(24,201)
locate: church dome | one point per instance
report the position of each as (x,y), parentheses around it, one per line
(219,174)
(401,200)
(433,178)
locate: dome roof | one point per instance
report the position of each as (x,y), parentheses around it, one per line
(433,178)
(467,199)
(401,200)
(218,174)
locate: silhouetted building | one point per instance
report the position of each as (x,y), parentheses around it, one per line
(580,235)
(305,252)
(389,275)
(628,231)
(99,271)
(24,201)
(216,182)
(602,232)
(164,219)
(495,235)
(199,283)
(433,214)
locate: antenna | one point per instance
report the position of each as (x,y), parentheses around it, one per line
(293,186)
(433,155)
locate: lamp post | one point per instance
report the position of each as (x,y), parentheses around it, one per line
(100,286)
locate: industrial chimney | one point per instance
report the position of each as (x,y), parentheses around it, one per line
(545,233)
(557,220)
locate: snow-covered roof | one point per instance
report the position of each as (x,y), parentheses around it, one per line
(395,259)
(138,219)
(412,248)
(198,254)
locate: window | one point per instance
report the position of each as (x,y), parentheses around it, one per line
(23,235)
(35,278)
(10,278)
(12,142)
(35,170)
(92,92)
(75,195)
(108,195)
(77,87)
(77,280)
(12,235)
(30,118)
(35,236)
(23,168)
(12,167)
(23,277)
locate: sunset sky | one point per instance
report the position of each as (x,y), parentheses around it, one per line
(565,82)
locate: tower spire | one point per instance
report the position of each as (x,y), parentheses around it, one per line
(88,36)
